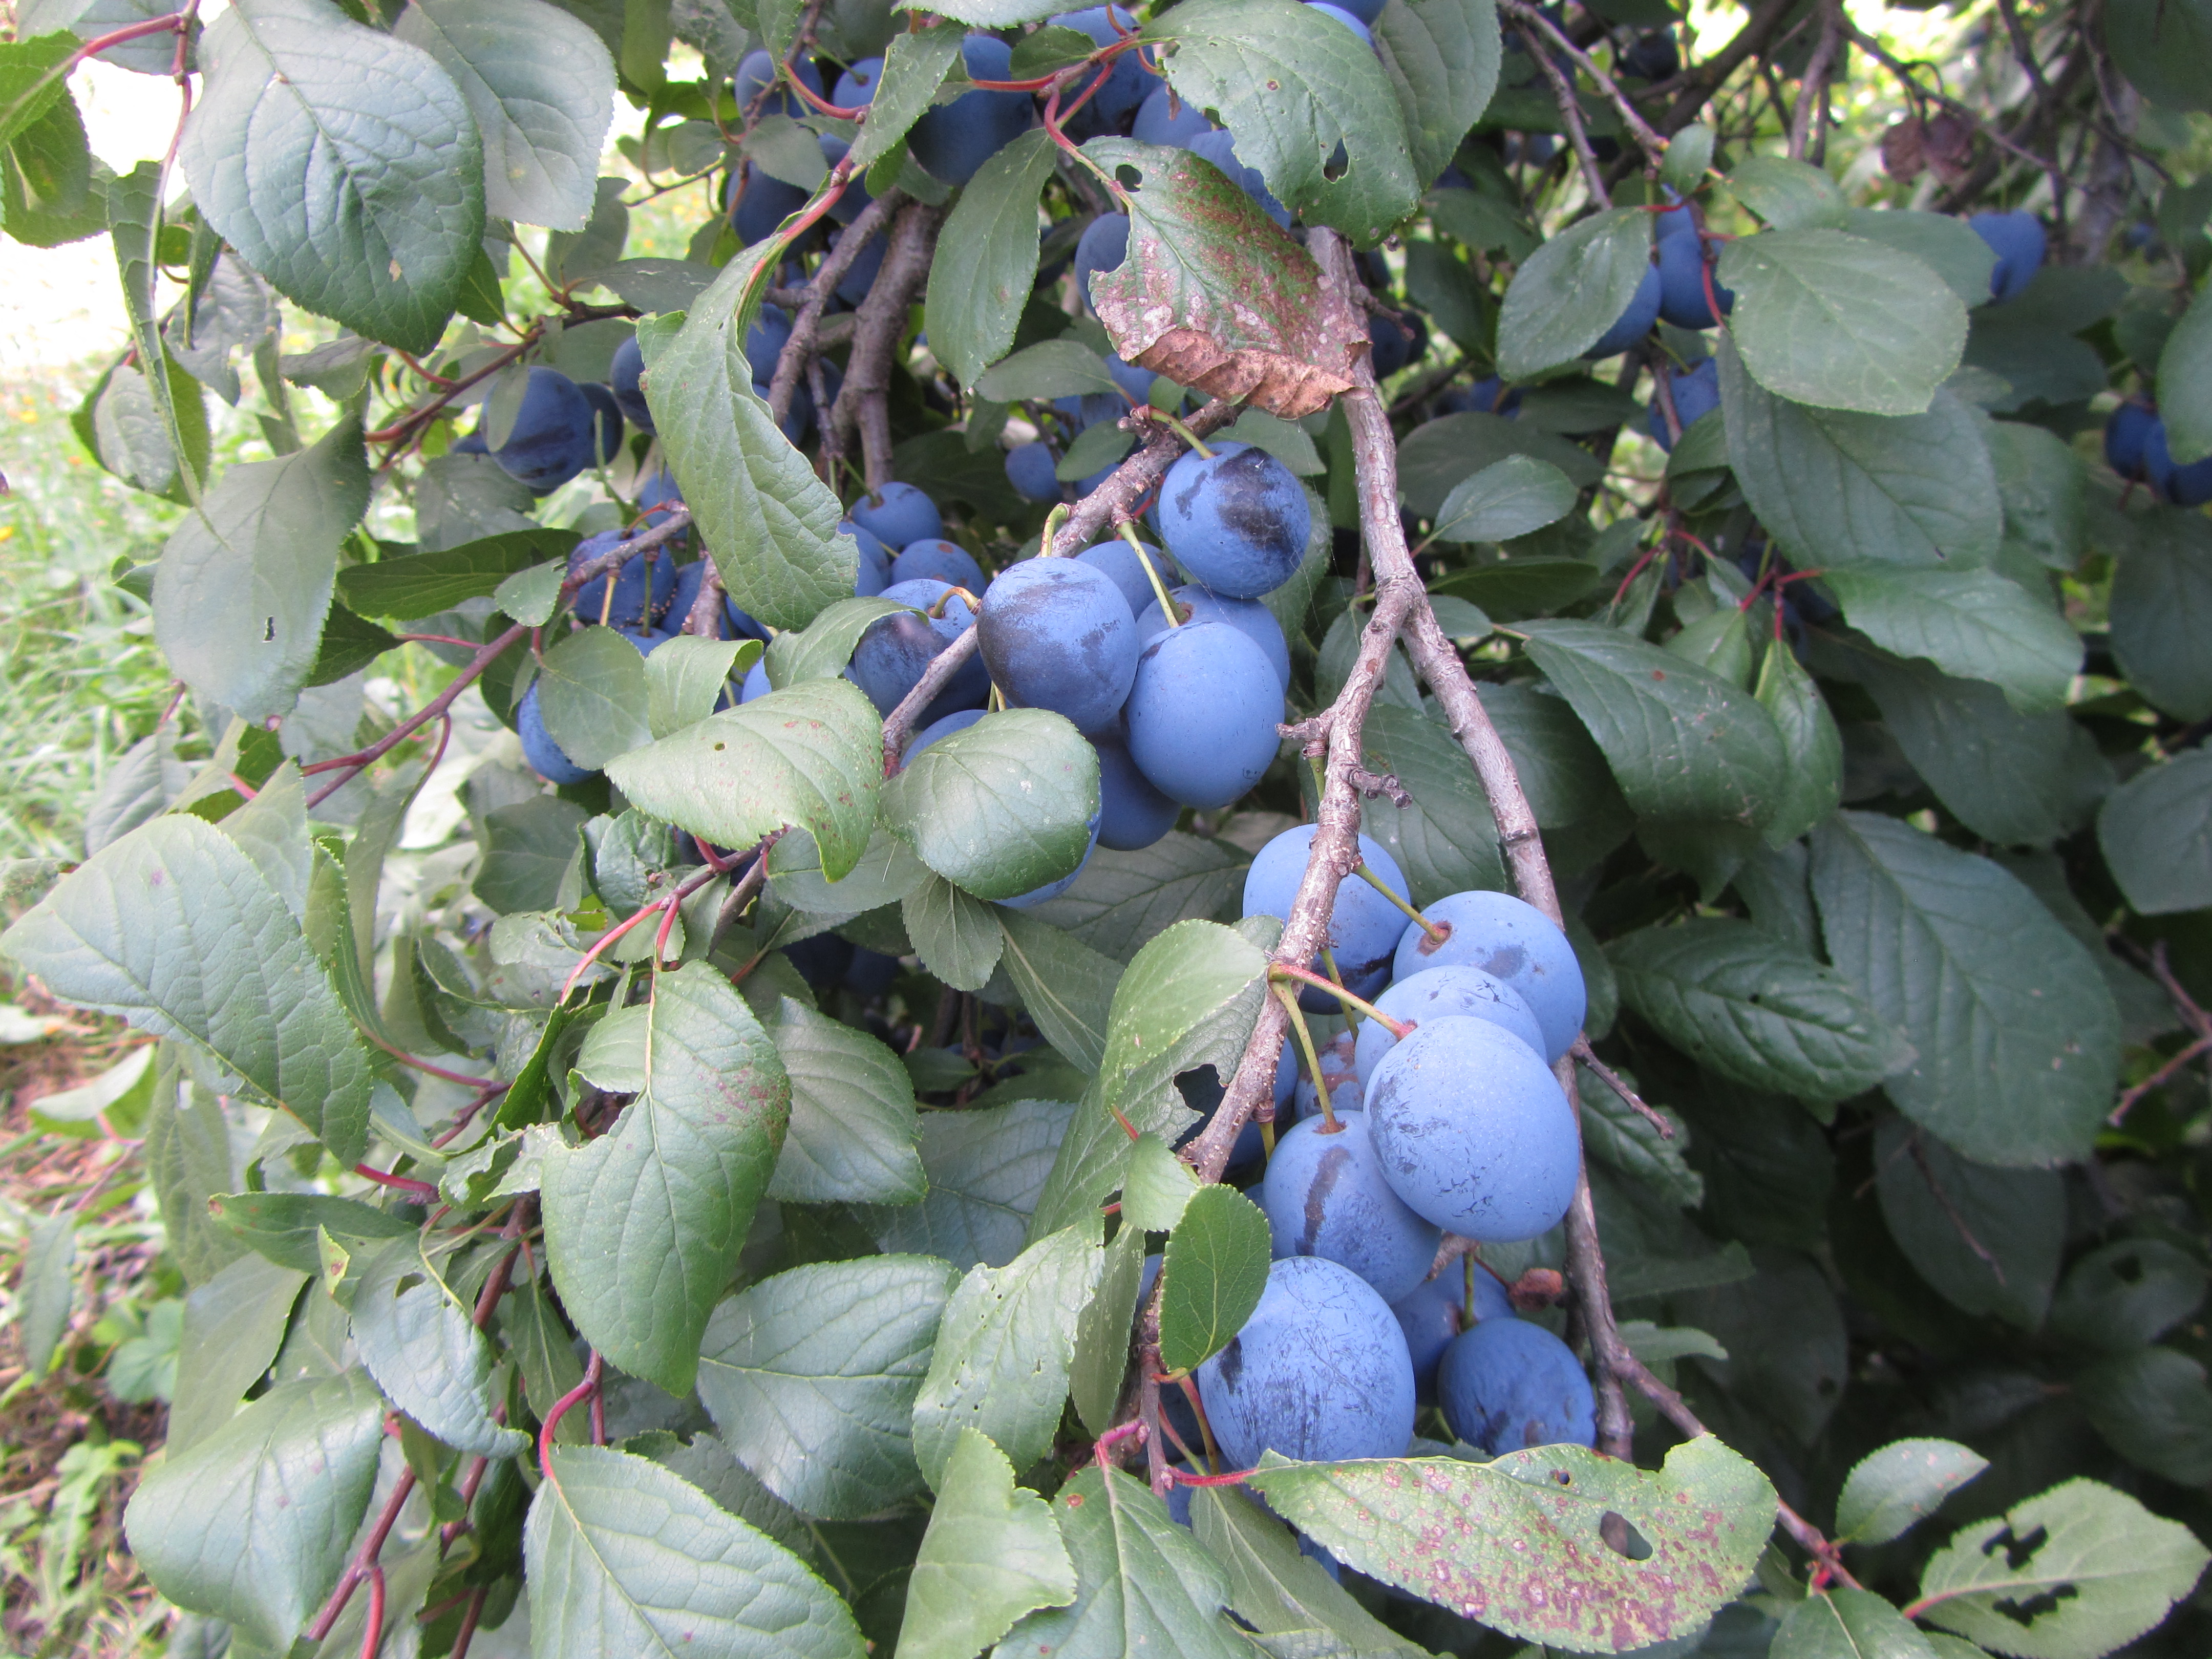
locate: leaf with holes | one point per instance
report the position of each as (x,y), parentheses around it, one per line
(1214,295)
(1527,1543)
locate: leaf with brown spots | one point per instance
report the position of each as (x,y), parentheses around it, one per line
(1214,296)
(1556,1545)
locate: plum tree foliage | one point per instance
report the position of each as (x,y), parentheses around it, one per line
(736,1117)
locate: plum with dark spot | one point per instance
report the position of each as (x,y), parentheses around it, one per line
(1056,633)
(1434,1314)
(1324,1195)
(1440,994)
(1511,940)
(1474,1132)
(1319,1372)
(1202,714)
(1238,519)
(1507,1385)
(1363,927)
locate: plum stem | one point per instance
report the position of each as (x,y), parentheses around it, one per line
(1167,607)
(1052,520)
(1438,931)
(1189,437)
(1289,999)
(1400,1029)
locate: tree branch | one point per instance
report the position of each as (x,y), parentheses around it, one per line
(862,404)
(805,327)
(1528,17)
(1571,113)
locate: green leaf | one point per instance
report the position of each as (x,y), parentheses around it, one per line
(425,1352)
(785,150)
(294,89)
(2153,1408)
(1144,1585)
(234,1325)
(644,1225)
(591,694)
(1789,194)
(1988,1240)
(1744,1003)
(992,1553)
(1683,743)
(2185,384)
(811,1376)
(622,1557)
(1050,368)
(188,1161)
(986,1169)
(2017,1037)
(1124,900)
(811,756)
(2161,607)
(33,77)
(1571,290)
(1156,1188)
(2072,1573)
(1292,90)
(1003,1351)
(245,580)
(1947,247)
(853,1119)
(1837,488)
(252,1524)
(2043,483)
(282,1227)
(1187,1000)
(1065,986)
(1273,1586)
(1211,294)
(1848,1624)
(1442,59)
(528,849)
(1002,807)
(1689,153)
(958,937)
(1971,624)
(1506,499)
(541,87)
(1437,454)
(1891,1491)
(172,928)
(2156,833)
(50,192)
(2163,49)
(1215,1270)
(1783,1332)
(1812,770)
(769,522)
(1839,322)
(1515,1542)
(915,66)
(46,1288)
(2128,1293)
(684,677)
(1103,1334)
(986,258)
(824,646)
(423,584)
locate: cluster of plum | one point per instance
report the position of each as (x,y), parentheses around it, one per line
(1453,1122)
(561,427)
(2135,447)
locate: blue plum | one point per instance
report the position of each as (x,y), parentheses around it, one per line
(640,593)
(1390,345)
(856,87)
(1131,813)
(1103,245)
(758,70)
(923,593)
(1434,1315)
(759,204)
(606,422)
(959,720)
(1356,25)
(1682,276)
(2127,433)
(1220,149)
(1248,617)
(1442,993)
(1635,322)
(1029,470)
(891,656)
(2019,242)
(1653,58)
(1339,1076)
(1319,1372)
(755,683)
(1474,1132)
(1507,1385)
(951,141)
(1238,519)
(1202,714)
(1363,928)
(1120,563)
(1678,220)
(896,514)
(874,574)
(1163,118)
(1324,1195)
(1511,940)
(550,441)
(2185,486)
(1696,392)
(1488,396)
(935,559)
(1056,633)
(539,748)
(765,340)
(626,379)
